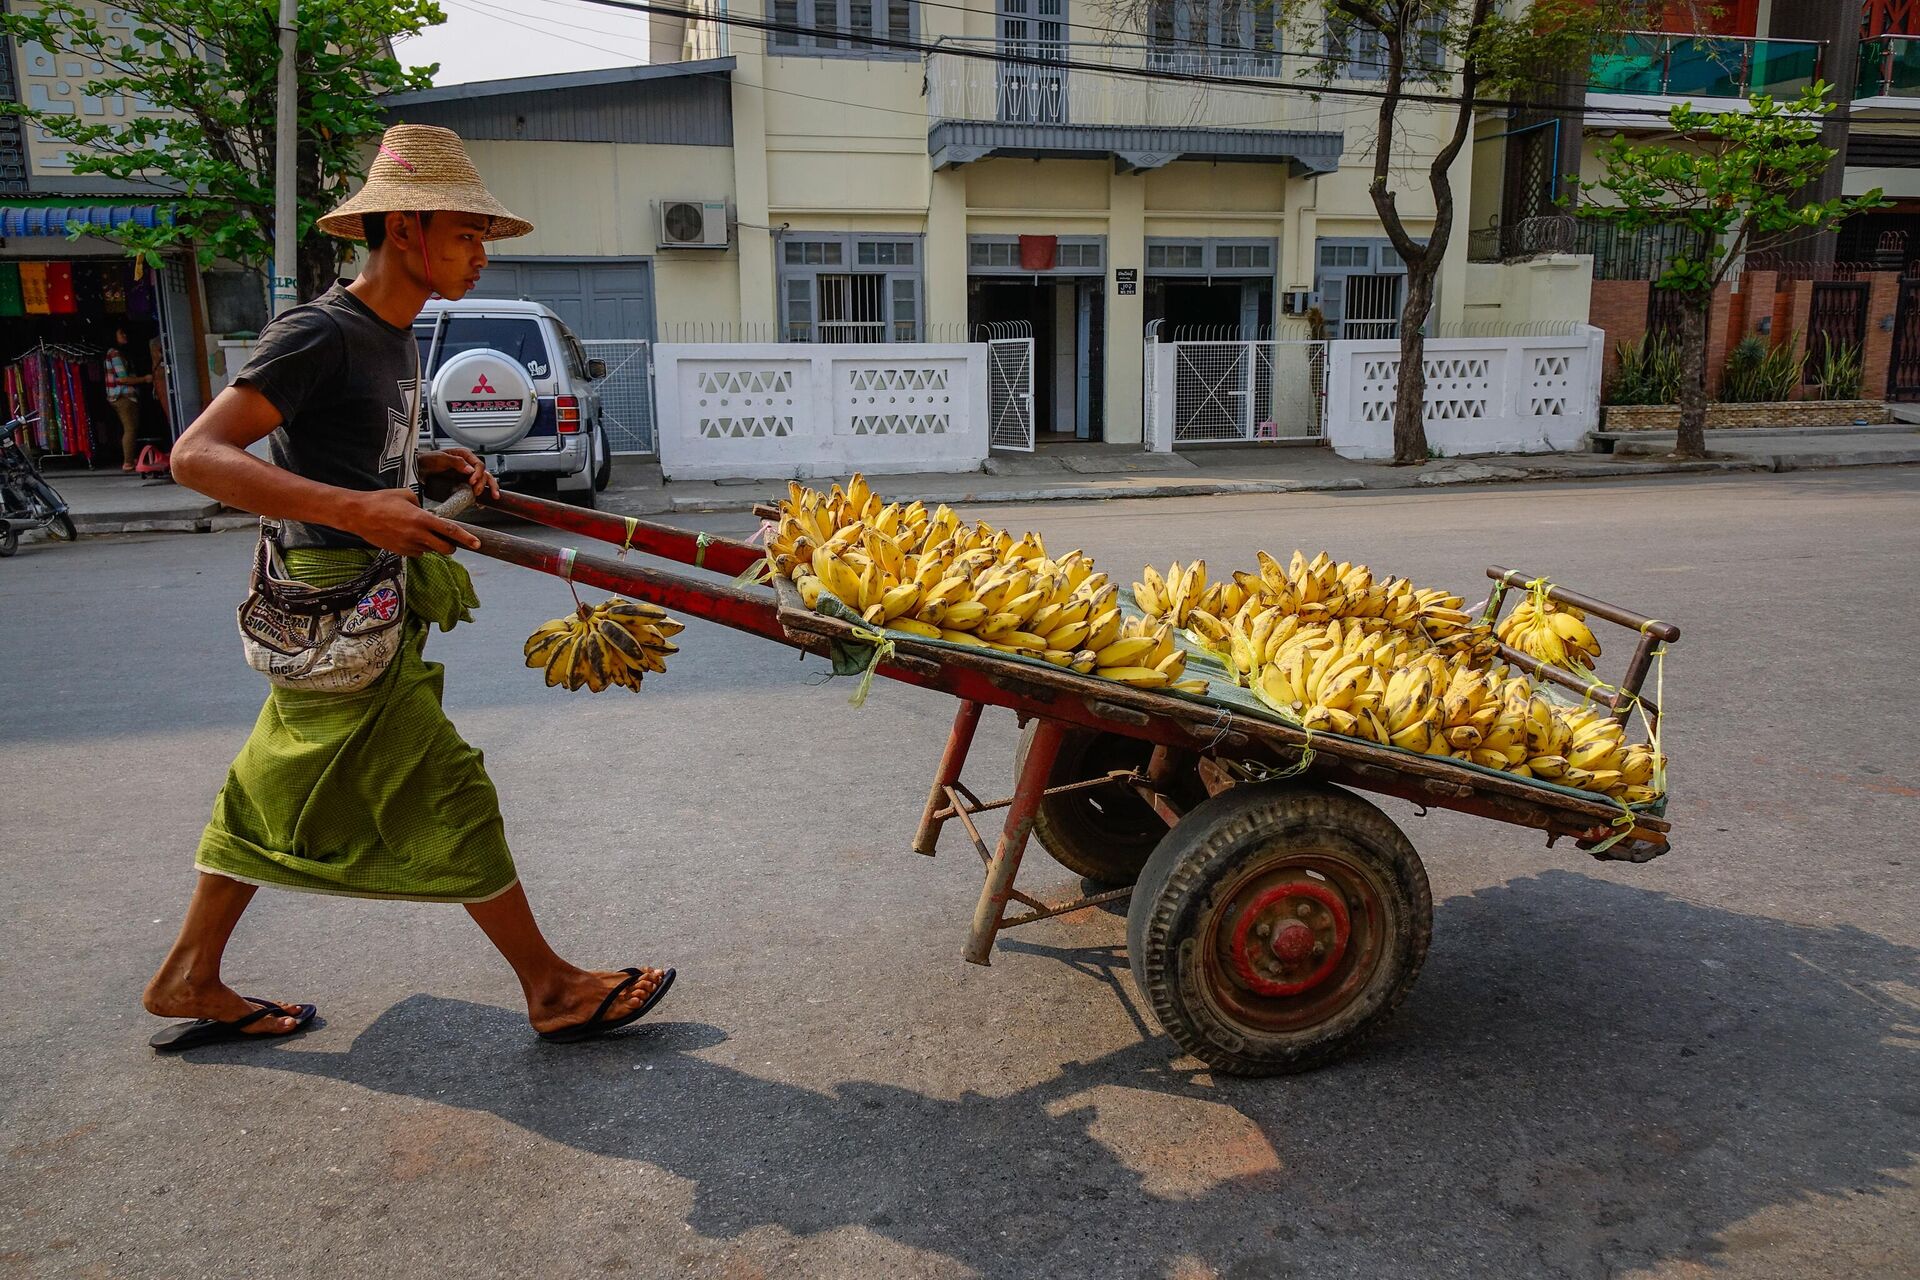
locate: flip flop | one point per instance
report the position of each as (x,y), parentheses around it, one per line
(204,1031)
(599,1024)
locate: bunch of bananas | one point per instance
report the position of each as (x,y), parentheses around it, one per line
(1143,653)
(1313,591)
(1551,631)
(615,642)
(1183,597)
(1587,748)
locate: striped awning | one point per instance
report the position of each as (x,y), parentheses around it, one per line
(34,219)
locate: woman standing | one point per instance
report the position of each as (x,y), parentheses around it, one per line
(123,394)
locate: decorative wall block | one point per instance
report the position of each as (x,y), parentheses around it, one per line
(819,409)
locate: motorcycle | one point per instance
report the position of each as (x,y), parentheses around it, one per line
(27,501)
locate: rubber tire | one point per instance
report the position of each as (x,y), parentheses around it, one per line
(1072,836)
(1174,896)
(9,540)
(61,524)
(603,473)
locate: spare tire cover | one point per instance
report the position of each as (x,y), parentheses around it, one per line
(484,399)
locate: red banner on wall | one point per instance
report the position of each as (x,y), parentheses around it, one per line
(1037,253)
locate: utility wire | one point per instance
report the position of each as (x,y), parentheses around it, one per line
(507,16)
(1069,64)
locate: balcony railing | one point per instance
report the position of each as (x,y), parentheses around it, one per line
(1069,83)
(1692,66)
(1889,68)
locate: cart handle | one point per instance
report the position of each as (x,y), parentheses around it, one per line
(1621,700)
(732,606)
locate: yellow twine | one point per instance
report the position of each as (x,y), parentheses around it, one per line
(882,650)
(633,527)
(700,545)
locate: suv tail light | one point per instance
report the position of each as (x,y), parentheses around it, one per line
(566,415)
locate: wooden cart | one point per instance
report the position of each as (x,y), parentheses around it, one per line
(1277,916)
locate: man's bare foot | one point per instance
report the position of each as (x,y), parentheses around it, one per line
(171,998)
(578,997)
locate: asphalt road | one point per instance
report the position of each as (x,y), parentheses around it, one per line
(1705,1066)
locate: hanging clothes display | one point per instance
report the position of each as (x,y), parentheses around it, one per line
(11,303)
(60,299)
(33,287)
(140,296)
(51,380)
(114,287)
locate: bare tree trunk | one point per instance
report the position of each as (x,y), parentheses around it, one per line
(1410,401)
(1692,442)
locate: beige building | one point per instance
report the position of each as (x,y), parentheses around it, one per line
(1010,169)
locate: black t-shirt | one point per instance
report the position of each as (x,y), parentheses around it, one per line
(343,381)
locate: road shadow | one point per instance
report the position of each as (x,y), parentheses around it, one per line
(1590,1077)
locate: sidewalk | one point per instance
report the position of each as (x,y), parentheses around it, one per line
(109,502)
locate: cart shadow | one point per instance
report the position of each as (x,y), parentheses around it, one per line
(1589,1077)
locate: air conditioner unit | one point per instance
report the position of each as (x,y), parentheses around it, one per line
(693,224)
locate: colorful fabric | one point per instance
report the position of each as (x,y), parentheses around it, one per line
(33,287)
(89,290)
(55,388)
(113,288)
(11,303)
(140,296)
(370,794)
(60,299)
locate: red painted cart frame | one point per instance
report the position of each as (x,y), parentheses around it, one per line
(1218,742)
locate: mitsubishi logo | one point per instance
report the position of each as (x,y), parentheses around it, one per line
(482,387)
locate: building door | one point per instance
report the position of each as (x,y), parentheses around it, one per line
(1031,94)
(1903,379)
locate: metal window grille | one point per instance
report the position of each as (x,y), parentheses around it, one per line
(626,393)
(852,308)
(1372,307)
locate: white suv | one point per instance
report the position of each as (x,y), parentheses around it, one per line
(509,381)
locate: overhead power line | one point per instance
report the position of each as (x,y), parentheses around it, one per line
(1163,75)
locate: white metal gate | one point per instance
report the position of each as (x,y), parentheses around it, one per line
(626,393)
(1247,390)
(1010,393)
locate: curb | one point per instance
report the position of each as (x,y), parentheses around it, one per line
(212,520)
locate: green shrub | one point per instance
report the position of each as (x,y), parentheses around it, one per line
(1837,371)
(1756,372)
(1647,372)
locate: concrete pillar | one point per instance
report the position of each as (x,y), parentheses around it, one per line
(755,242)
(1839,25)
(1126,313)
(946,266)
(1451,302)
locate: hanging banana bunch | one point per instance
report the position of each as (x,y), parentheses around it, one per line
(616,642)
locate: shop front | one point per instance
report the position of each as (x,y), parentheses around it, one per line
(64,301)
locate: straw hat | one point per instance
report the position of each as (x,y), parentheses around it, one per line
(422,167)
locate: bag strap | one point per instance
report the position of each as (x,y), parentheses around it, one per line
(271,580)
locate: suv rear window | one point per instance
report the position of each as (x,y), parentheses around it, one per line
(515,337)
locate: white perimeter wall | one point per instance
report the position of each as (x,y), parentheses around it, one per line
(1484,395)
(779,410)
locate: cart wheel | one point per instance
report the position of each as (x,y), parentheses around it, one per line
(9,539)
(1277,926)
(1103,833)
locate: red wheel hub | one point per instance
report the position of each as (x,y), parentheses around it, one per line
(1290,938)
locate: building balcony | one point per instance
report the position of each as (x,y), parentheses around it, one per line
(1652,71)
(1096,101)
(1889,75)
